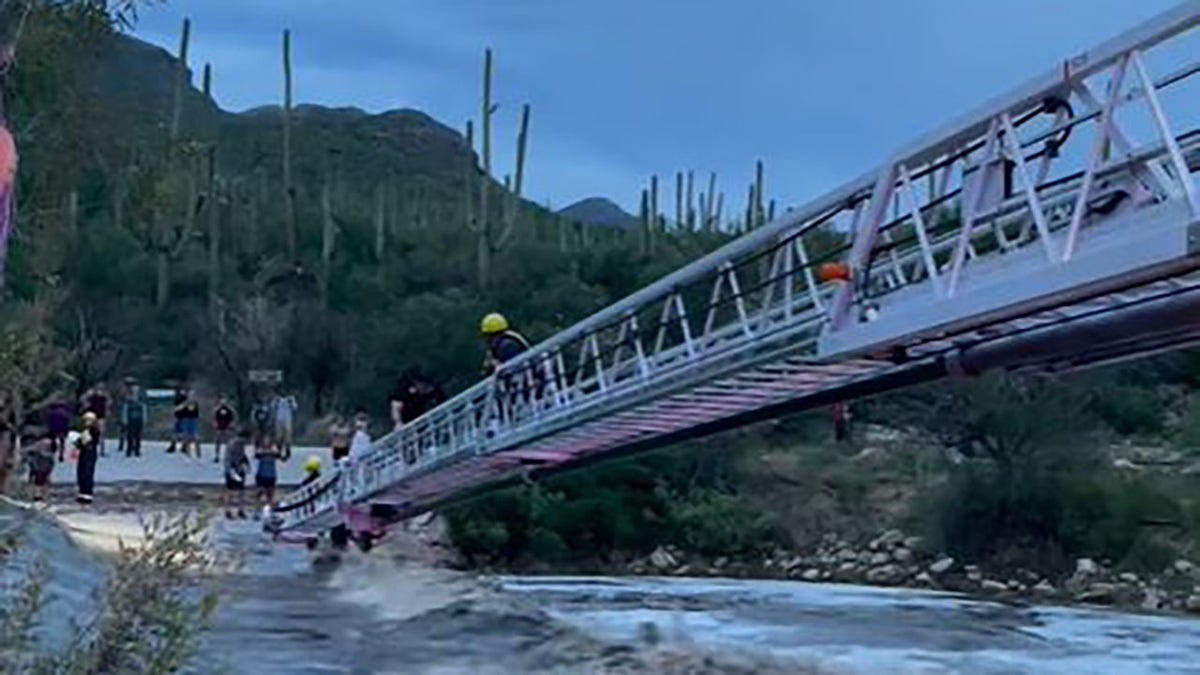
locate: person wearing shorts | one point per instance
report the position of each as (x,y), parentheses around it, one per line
(189,425)
(222,420)
(266,475)
(340,434)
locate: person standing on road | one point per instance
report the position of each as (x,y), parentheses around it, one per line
(58,424)
(189,414)
(133,421)
(88,445)
(222,420)
(179,401)
(283,412)
(96,402)
(262,422)
(266,476)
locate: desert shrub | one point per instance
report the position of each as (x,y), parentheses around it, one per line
(1042,493)
(149,615)
(1129,410)
(715,523)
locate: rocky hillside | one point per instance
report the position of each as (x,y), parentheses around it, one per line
(599,212)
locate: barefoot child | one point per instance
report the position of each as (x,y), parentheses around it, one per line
(237,465)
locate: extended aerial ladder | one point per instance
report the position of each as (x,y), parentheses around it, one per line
(1055,228)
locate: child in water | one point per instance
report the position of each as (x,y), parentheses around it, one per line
(237,465)
(312,470)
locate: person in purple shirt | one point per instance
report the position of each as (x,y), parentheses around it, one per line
(58,425)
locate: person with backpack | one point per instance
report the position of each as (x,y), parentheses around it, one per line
(133,421)
(503,343)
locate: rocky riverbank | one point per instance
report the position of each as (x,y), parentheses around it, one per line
(894,558)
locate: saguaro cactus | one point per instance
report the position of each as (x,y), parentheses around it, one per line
(690,212)
(289,189)
(679,199)
(492,240)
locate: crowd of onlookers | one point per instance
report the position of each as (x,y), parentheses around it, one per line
(268,435)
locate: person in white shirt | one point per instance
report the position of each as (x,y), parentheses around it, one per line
(360,443)
(283,412)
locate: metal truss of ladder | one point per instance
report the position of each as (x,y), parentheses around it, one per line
(1051,229)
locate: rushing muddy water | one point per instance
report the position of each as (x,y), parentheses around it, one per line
(384,614)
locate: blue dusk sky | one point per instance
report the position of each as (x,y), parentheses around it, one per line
(622,89)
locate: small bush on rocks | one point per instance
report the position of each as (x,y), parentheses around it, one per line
(149,617)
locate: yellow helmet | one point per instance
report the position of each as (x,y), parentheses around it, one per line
(493,323)
(312,463)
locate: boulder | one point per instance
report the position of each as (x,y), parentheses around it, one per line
(720,562)
(1128,577)
(886,574)
(682,570)
(889,539)
(992,586)
(1192,605)
(1086,567)
(1153,599)
(924,579)
(914,543)
(847,555)
(942,565)
(902,555)
(1184,566)
(847,568)
(811,574)
(1098,593)
(1044,587)
(792,564)
(662,560)
(879,558)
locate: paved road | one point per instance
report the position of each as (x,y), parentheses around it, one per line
(155,465)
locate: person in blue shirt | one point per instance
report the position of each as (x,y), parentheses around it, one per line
(266,476)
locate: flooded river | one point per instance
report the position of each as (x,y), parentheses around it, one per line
(384,613)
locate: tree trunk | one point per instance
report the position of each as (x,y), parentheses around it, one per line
(327,234)
(214,250)
(380,218)
(483,250)
(162,287)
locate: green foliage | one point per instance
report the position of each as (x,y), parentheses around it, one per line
(1044,495)
(715,523)
(626,508)
(1129,409)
